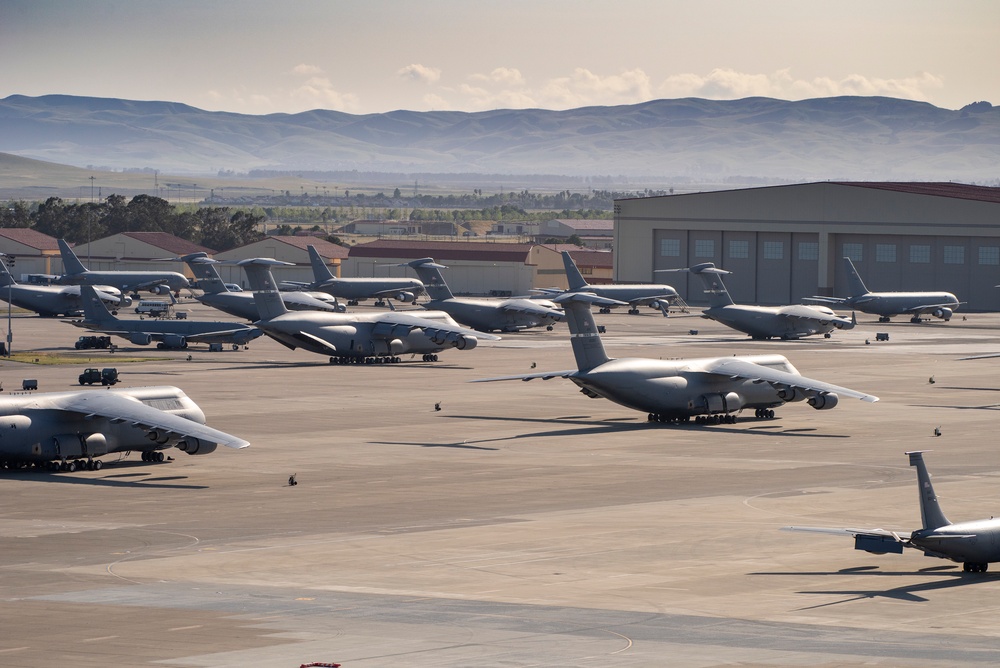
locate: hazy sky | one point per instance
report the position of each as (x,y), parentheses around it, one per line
(366,56)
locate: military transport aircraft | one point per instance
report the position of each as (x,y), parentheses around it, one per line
(64,431)
(49,300)
(242,304)
(710,389)
(157,282)
(763,322)
(353,338)
(355,290)
(975,544)
(632,294)
(168,333)
(487,314)
(887,304)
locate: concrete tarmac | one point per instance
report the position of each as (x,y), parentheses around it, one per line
(522,524)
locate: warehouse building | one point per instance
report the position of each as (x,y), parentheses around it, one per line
(783,243)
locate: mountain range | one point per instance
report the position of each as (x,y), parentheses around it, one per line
(856,138)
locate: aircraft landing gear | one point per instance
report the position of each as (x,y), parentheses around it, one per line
(633,311)
(971,567)
(430,358)
(883,318)
(764,414)
(605,309)
(915,319)
(153,457)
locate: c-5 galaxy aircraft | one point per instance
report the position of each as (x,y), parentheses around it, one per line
(353,338)
(974,544)
(64,431)
(486,315)
(168,333)
(710,389)
(763,322)
(355,290)
(157,282)
(48,300)
(887,304)
(242,304)
(634,295)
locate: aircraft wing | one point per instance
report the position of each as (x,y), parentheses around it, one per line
(527,307)
(824,301)
(642,301)
(928,307)
(805,313)
(737,368)
(899,536)
(395,324)
(122,408)
(544,375)
(145,285)
(211,337)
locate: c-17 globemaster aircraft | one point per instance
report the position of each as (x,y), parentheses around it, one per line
(157,282)
(64,431)
(887,304)
(242,304)
(167,333)
(487,315)
(358,289)
(633,295)
(763,322)
(975,544)
(50,300)
(710,389)
(353,337)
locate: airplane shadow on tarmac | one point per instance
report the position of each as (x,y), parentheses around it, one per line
(581,426)
(910,592)
(138,480)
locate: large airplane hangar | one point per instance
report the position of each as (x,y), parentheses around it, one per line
(783,243)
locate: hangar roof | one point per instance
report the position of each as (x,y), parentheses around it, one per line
(30,238)
(483,251)
(946,189)
(168,242)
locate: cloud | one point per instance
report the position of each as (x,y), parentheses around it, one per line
(420,73)
(727,84)
(318,93)
(303,69)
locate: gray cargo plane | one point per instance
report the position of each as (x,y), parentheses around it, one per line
(975,544)
(64,431)
(157,282)
(763,322)
(710,389)
(353,338)
(355,290)
(632,294)
(242,304)
(49,300)
(887,304)
(168,333)
(486,315)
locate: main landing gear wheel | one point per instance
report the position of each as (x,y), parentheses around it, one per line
(430,358)
(764,414)
(970,567)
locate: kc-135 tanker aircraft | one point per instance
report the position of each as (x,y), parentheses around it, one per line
(64,431)
(710,389)
(51,300)
(355,290)
(157,282)
(974,544)
(887,304)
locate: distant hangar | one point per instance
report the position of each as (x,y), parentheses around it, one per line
(783,243)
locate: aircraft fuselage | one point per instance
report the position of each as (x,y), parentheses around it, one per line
(771,322)
(888,304)
(490,315)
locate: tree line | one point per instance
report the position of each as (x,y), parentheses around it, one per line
(218,228)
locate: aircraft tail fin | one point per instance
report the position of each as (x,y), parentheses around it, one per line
(711,278)
(94,308)
(205,272)
(71,263)
(573,276)
(930,509)
(321,272)
(584,335)
(265,290)
(429,272)
(854,282)
(6,278)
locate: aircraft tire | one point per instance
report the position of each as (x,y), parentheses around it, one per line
(71,466)
(98,464)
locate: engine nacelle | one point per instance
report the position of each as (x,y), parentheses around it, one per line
(140,338)
(466,342)
(174,341)
(405,297)
(124,300)
(158,436)
(160,289)
(786,393)
(944,313)
(195,446)
(824,402)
